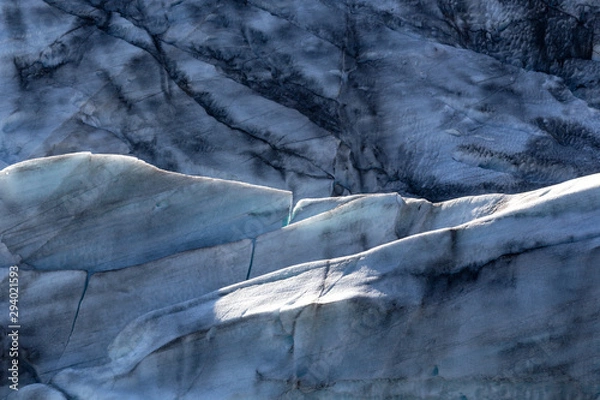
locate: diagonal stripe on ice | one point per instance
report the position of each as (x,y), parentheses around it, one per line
(558,215)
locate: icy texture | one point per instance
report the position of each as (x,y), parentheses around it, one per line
(143,288)
(37,391)
(140,283)
(431,98)
(358,225)
(371,296)
(106,212)
(48,303)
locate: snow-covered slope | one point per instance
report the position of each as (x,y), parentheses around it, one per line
(431,98)
(370,296)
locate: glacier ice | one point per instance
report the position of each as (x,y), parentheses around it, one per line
(433,99)
(426,224)
(370,296)
(77,207)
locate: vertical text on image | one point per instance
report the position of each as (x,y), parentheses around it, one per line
(13,326)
